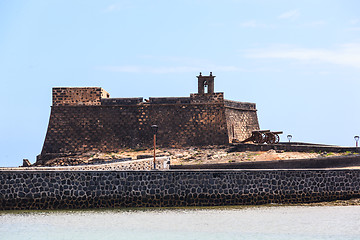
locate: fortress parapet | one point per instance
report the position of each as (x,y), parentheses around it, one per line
(240,105)
(73,96)
(121,101)
(86,119)
(169,100)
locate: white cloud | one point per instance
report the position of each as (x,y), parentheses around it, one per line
(353,29)
(346,55)
(354,21)
(171,64)
(316,23)
(177,60)
(164,70)
(117,7)
(111,8)
(289,15)
(355,25)
(255,24)
(252,23)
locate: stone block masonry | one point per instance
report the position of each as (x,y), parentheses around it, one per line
(240,123)
(101,189)
(162,163)
(65,96)
(110,128)
(86,119)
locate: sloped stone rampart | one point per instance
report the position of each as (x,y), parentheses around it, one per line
(99,189)
(240,123)
(110,128)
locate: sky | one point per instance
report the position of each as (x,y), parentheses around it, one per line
(299,61)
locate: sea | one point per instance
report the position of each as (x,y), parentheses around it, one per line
(242,222)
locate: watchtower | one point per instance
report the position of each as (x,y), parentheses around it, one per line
(205,82)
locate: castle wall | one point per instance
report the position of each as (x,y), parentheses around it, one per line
(72,96)
(169,100)
(109,128)
(85,118)
(121,101)
(207,98)
(240,105)
(241,119)
(96,189)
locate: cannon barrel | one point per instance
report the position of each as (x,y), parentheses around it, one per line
(261,131)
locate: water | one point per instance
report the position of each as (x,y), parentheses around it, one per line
(291,222)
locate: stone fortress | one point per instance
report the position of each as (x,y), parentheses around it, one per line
(86,119)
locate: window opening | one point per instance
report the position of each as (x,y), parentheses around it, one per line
(206,89)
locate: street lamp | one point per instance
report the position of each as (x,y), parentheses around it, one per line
(356,140)
(154,129)
(289,137)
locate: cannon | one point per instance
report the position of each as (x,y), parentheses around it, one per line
(264,136)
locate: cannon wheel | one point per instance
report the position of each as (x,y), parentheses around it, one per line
(271,138)
(264,138)
(277,138)
(257,137)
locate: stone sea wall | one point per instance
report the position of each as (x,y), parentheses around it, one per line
(98,189)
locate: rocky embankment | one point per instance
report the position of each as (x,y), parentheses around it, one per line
(192,155)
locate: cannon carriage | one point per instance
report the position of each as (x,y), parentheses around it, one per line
(264,136)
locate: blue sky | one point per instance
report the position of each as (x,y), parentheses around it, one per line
(299,61)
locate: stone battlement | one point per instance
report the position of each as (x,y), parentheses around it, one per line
(169,100)
(74,96)
(95,96)
(240,105)
(121,101)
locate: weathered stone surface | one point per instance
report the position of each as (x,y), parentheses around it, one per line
(86,119)
(73,96)
(162,163)
(95,189)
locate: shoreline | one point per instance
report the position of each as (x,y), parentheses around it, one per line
(336,203)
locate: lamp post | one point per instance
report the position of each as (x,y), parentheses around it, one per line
(356,140)
(154,129)
(289,137)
